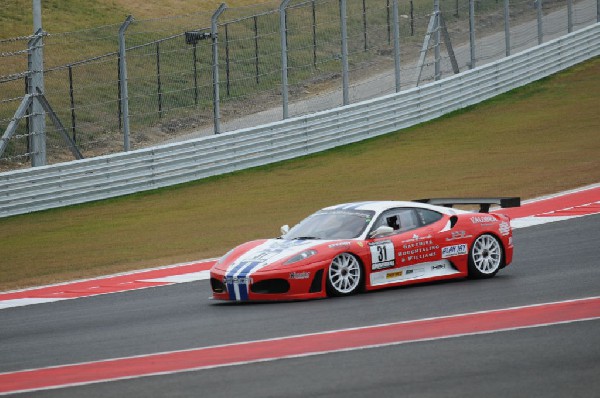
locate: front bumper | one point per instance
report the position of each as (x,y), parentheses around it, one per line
(274,285)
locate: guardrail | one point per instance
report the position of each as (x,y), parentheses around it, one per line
(46,187)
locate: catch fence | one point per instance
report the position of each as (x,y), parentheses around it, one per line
(204,73)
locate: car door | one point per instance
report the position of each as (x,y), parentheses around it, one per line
(419,243)
(402,247)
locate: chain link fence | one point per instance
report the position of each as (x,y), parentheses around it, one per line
(335,52)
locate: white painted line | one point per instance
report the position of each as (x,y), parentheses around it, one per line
(27,301)
(183,278)
(99,278)
(563,193)
(531,221)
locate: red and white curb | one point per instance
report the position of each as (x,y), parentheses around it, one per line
(562,206)
(298,346)
(178,273)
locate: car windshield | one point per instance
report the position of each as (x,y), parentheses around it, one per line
(332,224)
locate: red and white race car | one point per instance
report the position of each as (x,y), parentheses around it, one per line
(352,247)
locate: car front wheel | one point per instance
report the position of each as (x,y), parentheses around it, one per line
(485,257)
(344,276)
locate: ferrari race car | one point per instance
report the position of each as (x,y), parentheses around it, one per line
(348,248)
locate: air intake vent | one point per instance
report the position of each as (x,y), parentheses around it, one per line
(270,286)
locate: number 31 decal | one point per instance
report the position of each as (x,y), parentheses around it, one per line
(382,255)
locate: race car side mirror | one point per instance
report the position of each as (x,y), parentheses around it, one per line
(381,231)
(285,229)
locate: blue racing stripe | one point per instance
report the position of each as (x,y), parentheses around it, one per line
(231,290)
(343,206)
(229,279)
(354,206)
(243,288)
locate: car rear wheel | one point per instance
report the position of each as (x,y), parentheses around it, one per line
(344,276)
(485,257)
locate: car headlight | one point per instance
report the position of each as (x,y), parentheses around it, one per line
(301,256)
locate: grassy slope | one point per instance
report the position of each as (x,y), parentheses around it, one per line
(16,16)
(535,140)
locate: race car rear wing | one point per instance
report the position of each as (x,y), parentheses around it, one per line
(484,203)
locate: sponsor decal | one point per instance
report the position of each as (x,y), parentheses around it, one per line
(391,275)
(421,257)
(422,243)
(360,244)
(339,245)
(237,280)
(504,228)
(417,251)
(416,238)
(299,275)
(455,250)
(456,235)
(431,269)
(382,255)
(483,219)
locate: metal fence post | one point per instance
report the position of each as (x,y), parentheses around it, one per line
(436,47)
(123,82)
(227,63)
(387,18)
(412,18)
(314,33)
(472,32)
(120,108)
(344,31)
(215,67)
(569,16)
(396,44)
(507,26)
(195,56)
(37,127)
(540,27)
(364,18)
(256,47)
(72,101)
(284,63)
(158,81)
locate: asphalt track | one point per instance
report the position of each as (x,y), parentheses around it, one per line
(553,262)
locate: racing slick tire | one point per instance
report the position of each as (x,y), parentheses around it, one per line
(486,257)
(344,275)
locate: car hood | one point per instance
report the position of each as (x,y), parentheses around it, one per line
(273,251)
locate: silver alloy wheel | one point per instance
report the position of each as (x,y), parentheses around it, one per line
(344,275)
(486,255)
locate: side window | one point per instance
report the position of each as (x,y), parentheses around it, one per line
(408,220)
(428,216)
(399,219)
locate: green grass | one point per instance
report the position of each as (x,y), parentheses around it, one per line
(536,140)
